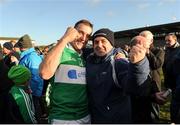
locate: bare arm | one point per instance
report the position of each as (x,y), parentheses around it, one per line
(51,61)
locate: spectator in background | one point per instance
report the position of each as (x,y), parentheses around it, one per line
(20,75)
(175,108)
(69,103)
(45,89)
(9,110)
(5,86)
(38,51)
(10,57)
(7,48)
(155,56)
(172,47)
(144,108)
(43,104)
(171,50)
(13,42)
(17,49)
(126,49)
(110,82)
(30,59)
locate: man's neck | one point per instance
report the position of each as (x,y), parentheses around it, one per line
(79,51)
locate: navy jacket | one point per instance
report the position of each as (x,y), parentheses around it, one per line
(108,102)
(170,53)
(9,111)
(175,109)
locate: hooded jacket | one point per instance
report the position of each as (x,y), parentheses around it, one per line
(30,59)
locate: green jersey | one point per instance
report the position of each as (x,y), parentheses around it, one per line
(68,98)
(25,103)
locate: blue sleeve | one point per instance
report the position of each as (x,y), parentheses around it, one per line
(32,62)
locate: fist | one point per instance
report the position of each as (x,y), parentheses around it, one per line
(137,53)
(71,34)
(14,59)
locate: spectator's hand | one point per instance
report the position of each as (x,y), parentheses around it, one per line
(119,55)
(71,34)
(14,59)
(137,53)
(160,99)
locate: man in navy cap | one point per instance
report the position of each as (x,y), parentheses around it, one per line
(110,81)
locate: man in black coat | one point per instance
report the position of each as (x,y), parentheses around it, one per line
(144,107)
(176,102)
(109,82)
(9,111)
(170,79)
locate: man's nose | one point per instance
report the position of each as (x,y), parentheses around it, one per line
(99,44)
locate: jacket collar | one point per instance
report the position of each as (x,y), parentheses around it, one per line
(174,46)
(27,52)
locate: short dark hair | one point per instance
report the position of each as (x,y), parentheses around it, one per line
(84,21)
